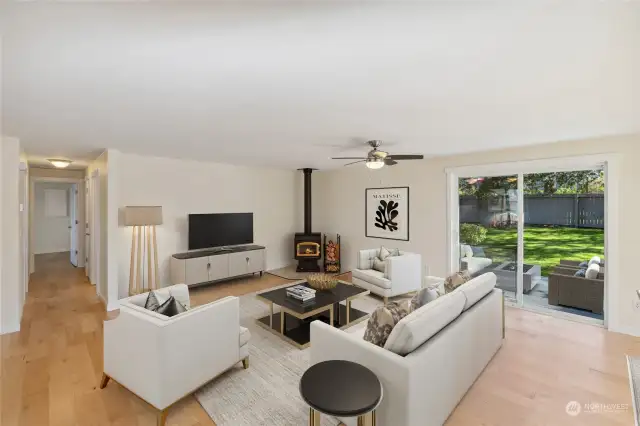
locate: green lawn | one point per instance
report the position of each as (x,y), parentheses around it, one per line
(545,246)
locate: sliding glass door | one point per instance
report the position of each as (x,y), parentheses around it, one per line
(488,229)
(539,233)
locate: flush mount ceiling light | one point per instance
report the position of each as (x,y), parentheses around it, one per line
(61,164)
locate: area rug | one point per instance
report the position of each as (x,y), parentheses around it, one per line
(267,393)
(634,381)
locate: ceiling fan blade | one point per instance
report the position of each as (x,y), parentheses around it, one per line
(348,158)
(406,157)
(390,162)
(355,162)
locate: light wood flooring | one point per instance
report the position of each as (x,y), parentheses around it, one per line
(50,370)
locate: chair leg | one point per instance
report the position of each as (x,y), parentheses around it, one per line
(104,381)
(162,416)
(245,363)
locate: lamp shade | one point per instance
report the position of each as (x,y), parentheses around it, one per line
(142,215)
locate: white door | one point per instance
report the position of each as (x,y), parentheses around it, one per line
(73,224)
(87,233)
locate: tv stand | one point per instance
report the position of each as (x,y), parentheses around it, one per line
(217,264)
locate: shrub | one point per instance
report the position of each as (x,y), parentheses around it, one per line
(472,234)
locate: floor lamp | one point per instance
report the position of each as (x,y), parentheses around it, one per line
(144,246)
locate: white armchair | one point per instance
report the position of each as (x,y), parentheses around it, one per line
(402,274)
(163,359)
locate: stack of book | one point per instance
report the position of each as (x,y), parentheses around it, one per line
(301,293)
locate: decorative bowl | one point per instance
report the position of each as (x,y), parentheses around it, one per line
(322,281)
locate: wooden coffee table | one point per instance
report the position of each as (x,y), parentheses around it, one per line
(293,321)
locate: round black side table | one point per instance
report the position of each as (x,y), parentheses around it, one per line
(340,389)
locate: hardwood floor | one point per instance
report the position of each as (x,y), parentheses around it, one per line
(50,371)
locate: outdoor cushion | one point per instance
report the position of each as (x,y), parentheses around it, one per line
(592,271)
(596,260)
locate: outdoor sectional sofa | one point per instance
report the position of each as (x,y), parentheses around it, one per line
(568,290)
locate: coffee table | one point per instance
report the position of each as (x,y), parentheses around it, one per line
(293,321)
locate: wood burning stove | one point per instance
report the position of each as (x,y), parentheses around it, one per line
(306,245)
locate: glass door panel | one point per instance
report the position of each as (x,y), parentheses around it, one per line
(488,229)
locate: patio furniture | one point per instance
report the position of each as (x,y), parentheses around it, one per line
(506,273)
(471,262)
(576,292)
(575,264)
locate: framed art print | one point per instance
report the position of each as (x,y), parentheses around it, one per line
(387,213)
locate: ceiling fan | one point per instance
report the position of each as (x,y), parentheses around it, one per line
(376,159)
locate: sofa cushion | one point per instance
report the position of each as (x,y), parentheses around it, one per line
(245,335)
(383,320)
(420,325)
(372,276)
(596,260)
(477,288)
(466,250)
(476,264)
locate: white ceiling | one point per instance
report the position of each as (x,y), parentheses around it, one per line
(289,83)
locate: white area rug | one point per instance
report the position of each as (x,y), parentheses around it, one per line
(267,393)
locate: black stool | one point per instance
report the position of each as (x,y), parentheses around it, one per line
(340,389)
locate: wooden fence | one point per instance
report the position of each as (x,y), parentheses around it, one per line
(579,210)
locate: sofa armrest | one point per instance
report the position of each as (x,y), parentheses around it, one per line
(404,272)
(329,343)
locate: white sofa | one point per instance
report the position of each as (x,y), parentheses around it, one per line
(432,357)
(402,274)
(163,359)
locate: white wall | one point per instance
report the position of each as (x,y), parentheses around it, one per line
(12,294)
(51,233)
(182,187)
(344,189)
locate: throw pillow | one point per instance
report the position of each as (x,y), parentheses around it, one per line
(394,252)
(580,273)
(478,251)
(595,260)
(584,265)
(379,265)
(456,280)
(383,319)
(383,253)
(152,302)
(592,271)
(466,250)
(424,296)
(171,307)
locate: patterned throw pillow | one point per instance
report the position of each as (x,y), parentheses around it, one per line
(383,253)
(383,319)
(456,280)
(580,273)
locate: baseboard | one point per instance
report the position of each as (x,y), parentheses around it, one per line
(114,306)
(13,328)
(625,330)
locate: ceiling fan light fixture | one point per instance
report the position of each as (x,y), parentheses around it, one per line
(375,164)
(59,163)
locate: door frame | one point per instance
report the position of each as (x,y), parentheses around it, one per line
(79,214)
(95,231)
(610,162)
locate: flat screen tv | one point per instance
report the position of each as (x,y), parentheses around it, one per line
(220,229)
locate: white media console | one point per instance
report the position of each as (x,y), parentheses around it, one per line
(204,266)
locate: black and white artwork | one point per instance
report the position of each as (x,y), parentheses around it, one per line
(387,213)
